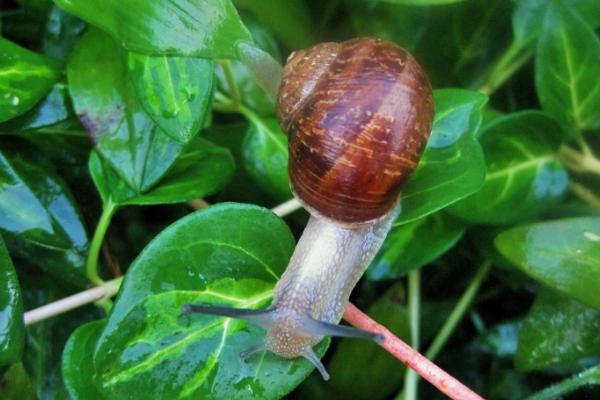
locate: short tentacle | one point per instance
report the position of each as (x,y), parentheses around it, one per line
(312,357)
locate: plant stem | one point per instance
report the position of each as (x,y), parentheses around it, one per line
(510,62)
(411,381)
(92,260)
(458,312)
(445,382)
(234,91)
(589,376)
(585,194)
(104,291)
(287,208)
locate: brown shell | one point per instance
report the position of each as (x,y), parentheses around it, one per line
(358,115)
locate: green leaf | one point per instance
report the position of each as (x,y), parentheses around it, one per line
(562,254)
(411,246)
(227,240)
(289,20)
(106,102)
(527,24)
(567,67)
(524,177)
(384,375)
(557,330)
(12,327)
(174,91)
(265,157)
(197,356)
(77,365)
(207,28)
(48,229)
(62,31)
(228,253)
(423,3)
(16,384)
(201,170)
(452,166)
(54,108)
(25,78)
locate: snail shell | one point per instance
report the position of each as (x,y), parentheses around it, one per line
(358,115)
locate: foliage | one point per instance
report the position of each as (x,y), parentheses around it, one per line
(117,117)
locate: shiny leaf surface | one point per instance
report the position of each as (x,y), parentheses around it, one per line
(524,176)
(25,77)
(174,91)
(412,245)
(48,230)
(77,365)
(567,67)
(557,330)
(265,157)
(202,169)
(106,102)
(562,254)
(12,327)
(208,28)
(452,148)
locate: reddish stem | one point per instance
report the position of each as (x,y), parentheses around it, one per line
(439,378)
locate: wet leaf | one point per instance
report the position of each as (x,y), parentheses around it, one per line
(524,176)
(48,230)
(412,245)
(12,327)
(452,166)
(557,330)
(567,67)
(208,28)
(562,254)
(25,77)
(202,169)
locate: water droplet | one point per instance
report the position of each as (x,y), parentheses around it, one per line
(15,101)
(189,93)
(171,112)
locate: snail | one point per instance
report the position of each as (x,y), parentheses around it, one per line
(358,115)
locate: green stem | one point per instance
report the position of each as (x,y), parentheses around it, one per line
(411,378)
(458,312)
(92,260)
(589,376)
(234,91)
(510,62)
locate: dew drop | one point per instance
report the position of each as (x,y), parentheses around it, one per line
(15,101)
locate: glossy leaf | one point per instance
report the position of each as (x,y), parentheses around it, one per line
(452,166)
(77,365)
(208,28)
(174,91)
(557,330)
(198,356)
(383,375)
(202,169)
(25,77)
(567,67)
(54,108)
(265,157)
(415,244)
(228,253)
(294,32)
(16,384)
(12,327)
(528,21)
(524,176)
(48,230)
(62,31)
(106,102)
(227,240)
(562,254)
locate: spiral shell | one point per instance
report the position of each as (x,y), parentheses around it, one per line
(358,115)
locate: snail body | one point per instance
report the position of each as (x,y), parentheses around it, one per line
(358,115)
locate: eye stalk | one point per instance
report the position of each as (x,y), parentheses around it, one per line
(358,115)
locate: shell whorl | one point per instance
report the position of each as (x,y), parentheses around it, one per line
(358,115)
